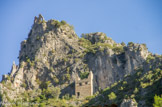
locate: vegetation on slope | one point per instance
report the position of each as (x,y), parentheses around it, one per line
(142,87)
(99,46)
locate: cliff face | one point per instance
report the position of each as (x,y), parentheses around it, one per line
(53,52)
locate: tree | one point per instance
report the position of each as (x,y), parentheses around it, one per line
(123,44)
(112,96)
(52,92)
(45,85)
(84,75)
(157,101)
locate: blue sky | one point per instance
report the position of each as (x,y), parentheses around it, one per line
(139,21)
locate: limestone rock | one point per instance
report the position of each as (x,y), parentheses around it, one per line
(52,53)
(128,103)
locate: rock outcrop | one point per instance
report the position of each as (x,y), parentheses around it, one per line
(128,103)
(53,52)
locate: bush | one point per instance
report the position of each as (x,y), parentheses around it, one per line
(118,49)
(24,85)
(67,76)
(121,88)
(53,51)
(130,44)
(38,81)
(67,69)
(31,63)
(112,96)
(157,101)
(55,79)
(76,60)
(57,23)
(52,92)
(51,69)
(65,59)
(149,58)
(44,85)
(58,103)
(66,97)
(124,82)
(63,22)
(84,75)
(135,91)
(123,44)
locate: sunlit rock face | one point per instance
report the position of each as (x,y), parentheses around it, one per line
(53,52)
(128,103)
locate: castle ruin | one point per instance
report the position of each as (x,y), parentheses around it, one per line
(84,87)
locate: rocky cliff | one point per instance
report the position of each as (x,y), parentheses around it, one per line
(54,53)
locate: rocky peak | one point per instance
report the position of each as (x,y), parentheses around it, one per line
(46,34)
(97,37)
(54,54)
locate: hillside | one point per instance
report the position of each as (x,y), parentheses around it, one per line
(53,56)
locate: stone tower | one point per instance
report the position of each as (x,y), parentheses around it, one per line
(84,88)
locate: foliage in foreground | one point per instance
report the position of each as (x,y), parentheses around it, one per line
(157,101)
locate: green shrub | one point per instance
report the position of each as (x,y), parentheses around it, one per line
(121,88)
(144,85)
(43,21)
(132,96)
(8,77)
(118,49)
(51,69)
(84,42)
(89,97)
(84,75)
(65,59)
(157,101)
(67,76)
(38,81)
(28,60)
(135,91)
(63,22)
(31,63)
(57,23)
(123,44)
(144,45)
(76,60)
(52,92)
(130,44)
(73,51)
(55,79)
(68,69)
(53,51)
(42,104)
(44,85)
(149,58)
(66,97)
(24,85)
(124,82)
(112,96)
(114,84)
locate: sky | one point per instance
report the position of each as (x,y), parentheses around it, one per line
(138,21)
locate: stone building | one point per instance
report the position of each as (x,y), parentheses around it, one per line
(84,87)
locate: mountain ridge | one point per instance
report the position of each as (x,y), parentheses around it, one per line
(53,55)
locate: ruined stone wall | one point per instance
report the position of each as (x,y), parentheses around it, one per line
(84,88)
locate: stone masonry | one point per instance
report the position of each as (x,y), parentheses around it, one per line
(84,88)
